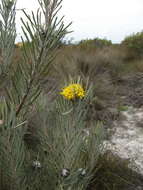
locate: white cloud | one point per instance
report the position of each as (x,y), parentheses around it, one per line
(113,19)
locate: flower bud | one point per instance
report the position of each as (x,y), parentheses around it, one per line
(82,171)
(36,164)
(65,172)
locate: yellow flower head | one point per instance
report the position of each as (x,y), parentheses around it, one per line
(73,91)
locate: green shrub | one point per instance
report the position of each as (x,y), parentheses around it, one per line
(94,43)
(102,42)
(59,152)
(134,43)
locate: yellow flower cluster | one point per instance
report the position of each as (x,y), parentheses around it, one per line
(73,91)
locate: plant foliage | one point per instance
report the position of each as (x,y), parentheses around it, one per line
(94,43)
(135,43)
(67,147)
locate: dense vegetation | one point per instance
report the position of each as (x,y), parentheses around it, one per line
(56,103)
(134,42)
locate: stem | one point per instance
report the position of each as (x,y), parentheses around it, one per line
(29,86)
(24,98)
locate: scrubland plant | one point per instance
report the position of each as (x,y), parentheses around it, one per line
(68,146)
(94,44)
(134,43)
(7,33)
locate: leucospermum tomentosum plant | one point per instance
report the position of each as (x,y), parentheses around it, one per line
(71,143)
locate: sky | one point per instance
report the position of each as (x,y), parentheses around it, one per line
(110,19)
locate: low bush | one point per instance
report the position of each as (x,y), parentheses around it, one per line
(134,43)
(94,43)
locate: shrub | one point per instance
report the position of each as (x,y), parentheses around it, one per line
(61,152)
(102,42)
(134,43)
(96,43)
(68,150)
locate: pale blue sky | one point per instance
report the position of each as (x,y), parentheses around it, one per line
(112,19)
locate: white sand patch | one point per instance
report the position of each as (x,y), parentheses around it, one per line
(127,140)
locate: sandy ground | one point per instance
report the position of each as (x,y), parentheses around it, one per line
(127,138)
